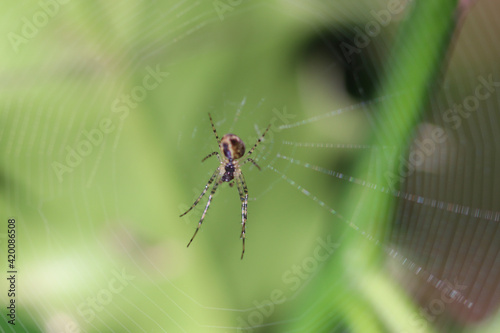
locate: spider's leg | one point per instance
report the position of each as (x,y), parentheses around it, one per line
(214,188)
(243,190)
(213,128)
(210,155)
(202,193)
(259,140)
(253,162)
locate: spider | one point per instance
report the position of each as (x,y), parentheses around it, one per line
(232,149)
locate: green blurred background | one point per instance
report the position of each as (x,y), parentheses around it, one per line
(104,122)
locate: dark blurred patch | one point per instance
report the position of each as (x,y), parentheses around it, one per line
(360,63)
(3,181)
(14,188)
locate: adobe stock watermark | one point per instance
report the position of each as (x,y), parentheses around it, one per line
(421,150)
(97,303)
(225,6)
(293,278)
(424,148)
(121,108)
(30,28)
(437,306)
(190,218)
(483,90)
(382,18)
(281,116)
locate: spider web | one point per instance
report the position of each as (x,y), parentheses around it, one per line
(113,274)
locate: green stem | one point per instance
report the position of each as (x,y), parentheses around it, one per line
(343,287)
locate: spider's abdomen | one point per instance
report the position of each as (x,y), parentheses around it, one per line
(232,146)
(229,174)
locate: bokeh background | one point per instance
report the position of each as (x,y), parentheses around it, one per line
(104,122)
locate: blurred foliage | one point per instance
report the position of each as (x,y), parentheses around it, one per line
(417,56)
(97,180)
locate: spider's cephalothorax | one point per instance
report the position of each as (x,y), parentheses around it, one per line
(232,148)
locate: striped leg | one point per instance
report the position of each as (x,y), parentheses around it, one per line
(213,129)
(216,184)
(243,191)
(204,191)
(253,162)
(259,140)
(210,155)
